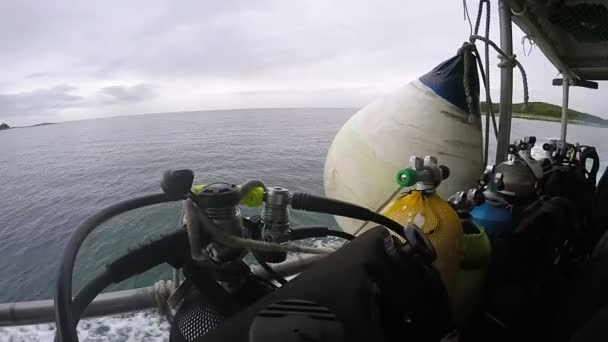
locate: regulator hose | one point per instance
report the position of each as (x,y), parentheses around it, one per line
(194,216)
(172,248)
(68,311)
(304,201)
(307,232)
(274,274)
(86,295)
(590,153)
(301,233)
(64,315)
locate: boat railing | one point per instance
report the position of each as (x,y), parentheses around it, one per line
(117,302)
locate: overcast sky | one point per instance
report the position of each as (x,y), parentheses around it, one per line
(69,60)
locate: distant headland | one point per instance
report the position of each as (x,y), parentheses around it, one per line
(548,112)
(4,125)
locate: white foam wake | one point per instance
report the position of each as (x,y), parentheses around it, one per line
(146,325)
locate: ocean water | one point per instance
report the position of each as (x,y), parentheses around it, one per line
(53,177)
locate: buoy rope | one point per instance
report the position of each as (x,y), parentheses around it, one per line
(467,79)
(162,291)
(508,61)
(466,16)
(485,74)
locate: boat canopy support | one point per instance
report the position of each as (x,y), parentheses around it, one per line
(506,81)
(565,99)
(566,83)
(577,51)
(111,303)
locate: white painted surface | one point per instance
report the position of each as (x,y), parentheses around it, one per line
(375,143)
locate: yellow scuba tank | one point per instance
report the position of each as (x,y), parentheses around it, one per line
(424,208)
(469,289)
(477,251)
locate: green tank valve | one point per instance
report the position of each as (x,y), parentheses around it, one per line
(254,198)
(407,177)
(198,188)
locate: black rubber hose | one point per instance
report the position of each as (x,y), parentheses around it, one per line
(86,295)
(301,233)
(64,316)
(590,153)
(340,234)
(172,248)
(211,292)
(307,232)
(304,201)
(276,276)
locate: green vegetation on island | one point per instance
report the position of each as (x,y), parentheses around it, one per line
(4,126)
(549,112)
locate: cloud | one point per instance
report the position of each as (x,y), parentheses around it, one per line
(37,75)
(50,104)
(235,54)
(39,101)
(125,94)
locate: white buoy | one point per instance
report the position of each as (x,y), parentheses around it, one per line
(428,116)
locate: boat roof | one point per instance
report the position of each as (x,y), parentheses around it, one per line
(573,34)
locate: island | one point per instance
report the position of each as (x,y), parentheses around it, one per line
(4,126)
(548,112)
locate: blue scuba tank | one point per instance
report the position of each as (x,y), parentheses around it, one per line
(496,220)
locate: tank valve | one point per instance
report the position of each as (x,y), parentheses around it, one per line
(464,201)
(275,221)
(549,149)
(220,203)
(425,173)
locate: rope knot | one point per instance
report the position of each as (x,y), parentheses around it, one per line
(162,291)
(507,62)
(467,46)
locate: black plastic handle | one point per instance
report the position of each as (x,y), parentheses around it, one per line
(177,183)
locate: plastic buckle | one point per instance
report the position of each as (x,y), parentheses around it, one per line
(418,245)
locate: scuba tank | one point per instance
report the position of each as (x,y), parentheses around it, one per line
(510,187)
(548,160)
(525,147)
(519,184)
(494,215)
(504,185)
(549,149)
(519,181)
(477,250)
(424,208)
(574,176)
